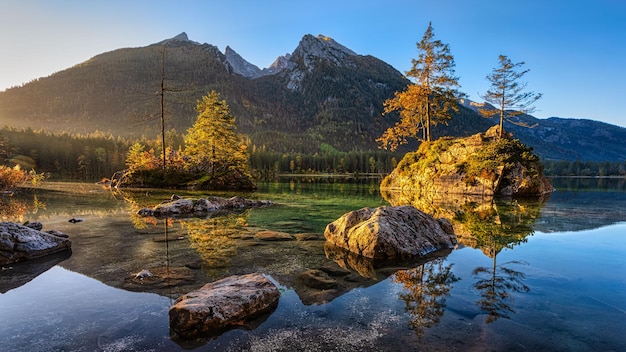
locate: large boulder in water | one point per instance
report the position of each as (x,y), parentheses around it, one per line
(221,305)
(19,243)
(390,232)
(483,164)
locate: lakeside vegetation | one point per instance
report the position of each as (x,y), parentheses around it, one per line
(92,157)
(211,154)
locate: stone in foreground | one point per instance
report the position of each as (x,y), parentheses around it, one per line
(390,232)
(222,305)
(19,243)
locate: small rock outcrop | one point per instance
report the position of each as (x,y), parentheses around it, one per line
(19,243)
(390,232)
(482,164)
(221,305)
(180,206)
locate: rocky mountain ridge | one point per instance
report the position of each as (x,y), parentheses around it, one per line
(565,139)
(321,94)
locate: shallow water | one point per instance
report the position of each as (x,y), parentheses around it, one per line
(527,275)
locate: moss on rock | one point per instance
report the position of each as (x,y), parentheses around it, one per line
(482,164)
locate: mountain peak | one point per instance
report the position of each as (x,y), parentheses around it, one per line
(240,65)
(312,48)
(181,38)
(332,43)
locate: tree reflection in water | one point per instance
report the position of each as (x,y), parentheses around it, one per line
(215,238)
(493,227)
(16,208)
(488,224)
(424,293)
(496,285)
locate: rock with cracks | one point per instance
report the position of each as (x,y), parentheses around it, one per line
(19,243)
(222,305)
(390,232)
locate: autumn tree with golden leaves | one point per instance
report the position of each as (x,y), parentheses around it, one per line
(430,99)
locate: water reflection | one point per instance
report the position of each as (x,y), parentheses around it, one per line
(215,239)
(495,285)
(360,271)
(16,208)
(575,277)
(19,274)
(490,225)
(424,292)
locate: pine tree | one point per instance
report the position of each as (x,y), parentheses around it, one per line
(507,92)
(431,97)
(211,144)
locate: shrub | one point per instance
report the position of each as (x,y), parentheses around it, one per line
(11,178)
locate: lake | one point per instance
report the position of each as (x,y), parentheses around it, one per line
(528,275)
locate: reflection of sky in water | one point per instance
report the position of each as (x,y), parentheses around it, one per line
(576,299)
(64,311)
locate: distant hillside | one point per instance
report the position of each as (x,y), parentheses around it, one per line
(321,93)
(567,139)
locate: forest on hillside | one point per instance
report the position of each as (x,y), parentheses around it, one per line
(92,157)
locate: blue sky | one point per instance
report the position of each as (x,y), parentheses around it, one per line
(575,49)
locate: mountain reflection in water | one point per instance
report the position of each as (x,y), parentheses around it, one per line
(526,276)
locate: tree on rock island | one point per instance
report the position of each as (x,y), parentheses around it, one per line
(212,147)
(430,98)
(507,92)
(213,156)
(211,143)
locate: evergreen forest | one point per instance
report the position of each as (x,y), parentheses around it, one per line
(95,156)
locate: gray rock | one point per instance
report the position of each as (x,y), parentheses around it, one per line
(222,305)
(57,233)
(178,206)
(35,225)
(19,243)
(390,232)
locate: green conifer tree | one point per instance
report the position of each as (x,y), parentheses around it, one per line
(507,93)
(211,144)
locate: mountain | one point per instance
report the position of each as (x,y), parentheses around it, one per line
(565,139)
(240,65)
(322,93)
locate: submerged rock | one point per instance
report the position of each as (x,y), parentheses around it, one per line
(221,305)
(268,235)
(19,243)
(319,279)
(201,206)
(159,278)
(390,232)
